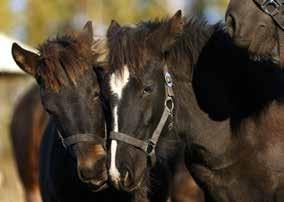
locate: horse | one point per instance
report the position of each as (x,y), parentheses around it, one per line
(187,77)
(28,123)
(73,149)
(256,25)
(126,180)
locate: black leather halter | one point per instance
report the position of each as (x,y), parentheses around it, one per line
(84,137)
(275,9)
(149,146)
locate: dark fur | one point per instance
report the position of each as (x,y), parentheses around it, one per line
(28,123)
(127,47)
(230,111)
(72,98)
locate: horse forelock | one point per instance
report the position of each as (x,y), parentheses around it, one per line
(65,58)
(128,46)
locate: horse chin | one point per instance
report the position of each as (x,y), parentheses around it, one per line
(131,188)
(242,43)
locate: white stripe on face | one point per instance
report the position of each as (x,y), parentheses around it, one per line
(117,85)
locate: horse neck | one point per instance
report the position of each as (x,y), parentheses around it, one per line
(196,119)
(227,87)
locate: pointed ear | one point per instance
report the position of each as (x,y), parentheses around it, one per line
(165,35)
(87,32)
(113,28)
(25,59)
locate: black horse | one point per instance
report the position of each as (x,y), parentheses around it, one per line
(256,24)
(188,78)
(73,152)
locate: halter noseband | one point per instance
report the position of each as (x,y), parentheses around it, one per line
(83,137)
(149,146)
(274,8)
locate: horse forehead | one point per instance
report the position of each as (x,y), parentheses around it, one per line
(118,82)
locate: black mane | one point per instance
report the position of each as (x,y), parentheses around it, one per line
(66,56)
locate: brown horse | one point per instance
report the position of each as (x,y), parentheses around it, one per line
(28,123)
(251,27)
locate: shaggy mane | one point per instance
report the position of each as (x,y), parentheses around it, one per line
(67,56)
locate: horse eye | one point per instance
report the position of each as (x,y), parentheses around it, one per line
(147,90)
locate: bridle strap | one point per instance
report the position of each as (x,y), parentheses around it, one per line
(277,13)
(140,144)
(273,9)
(84,137)
(149,146)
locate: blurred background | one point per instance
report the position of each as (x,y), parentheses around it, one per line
(30,22)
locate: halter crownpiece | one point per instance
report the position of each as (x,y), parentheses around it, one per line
(149,146)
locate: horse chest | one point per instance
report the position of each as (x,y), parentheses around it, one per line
(254,168)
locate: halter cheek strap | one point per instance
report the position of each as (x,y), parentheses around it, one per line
(149,146)
(275,9)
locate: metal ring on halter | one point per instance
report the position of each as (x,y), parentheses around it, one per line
(168,79)
(169,101)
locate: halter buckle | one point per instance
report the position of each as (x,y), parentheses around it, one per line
(274,3)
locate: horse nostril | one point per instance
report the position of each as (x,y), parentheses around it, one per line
(85,174)
(127,178)
(231,25)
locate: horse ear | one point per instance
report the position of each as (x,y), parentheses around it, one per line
(25,59)
(88,32)
(113,28)
(165,36)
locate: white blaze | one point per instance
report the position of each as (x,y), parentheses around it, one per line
(117,84)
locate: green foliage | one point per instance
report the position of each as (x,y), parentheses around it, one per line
(6,16)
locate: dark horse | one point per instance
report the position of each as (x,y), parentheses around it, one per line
(131,178)
(27,126)
(193,81)
(255,24)
(73,152)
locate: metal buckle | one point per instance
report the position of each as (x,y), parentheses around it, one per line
(168,79)
(276,5)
